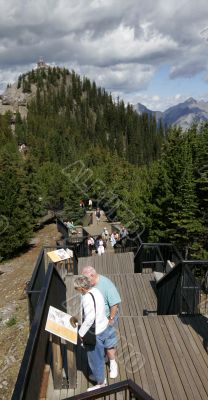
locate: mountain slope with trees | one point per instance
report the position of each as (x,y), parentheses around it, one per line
(80,143)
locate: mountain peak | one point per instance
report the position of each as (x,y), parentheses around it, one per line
(182,114)
(191,100)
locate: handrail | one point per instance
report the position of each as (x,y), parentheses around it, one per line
(192,286)
(35,284)
(30,375)
(80,247)
(178,291)
(169,292)
(62,228)
(133,388)
(161,252)
(36,270)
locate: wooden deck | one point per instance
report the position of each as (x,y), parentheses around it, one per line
(137,287)
(165,355)
(139,290)
(109,263)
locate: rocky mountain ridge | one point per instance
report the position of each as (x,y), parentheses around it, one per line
(15,99)
(183,114)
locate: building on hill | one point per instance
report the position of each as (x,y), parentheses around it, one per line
(41,63)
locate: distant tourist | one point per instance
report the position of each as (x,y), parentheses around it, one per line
(105,234)
(123,232)
(71,227)
(100,249)
(82,204)
(98,215)
(90,243)
(113,239)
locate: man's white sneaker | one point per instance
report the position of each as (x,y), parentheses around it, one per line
(113,369)
(98,386)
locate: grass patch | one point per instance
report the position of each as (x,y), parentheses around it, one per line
(12,321)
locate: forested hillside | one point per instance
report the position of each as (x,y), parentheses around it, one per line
(81,144)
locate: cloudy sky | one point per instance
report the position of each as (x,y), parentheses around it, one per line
(151,51)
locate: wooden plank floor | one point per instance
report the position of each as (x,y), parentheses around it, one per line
(137,287)
(109,263)
(164,355)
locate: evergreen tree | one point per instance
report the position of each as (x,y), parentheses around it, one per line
(51,189)
(175,209)
(14,205)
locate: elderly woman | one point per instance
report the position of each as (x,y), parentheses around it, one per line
(94,311)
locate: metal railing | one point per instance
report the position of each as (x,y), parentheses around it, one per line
(62,228)
(182,290)
(194,287)
(35,285)
(36,282)
(169,292)
(155,256)
(68,233)
(79,247)
(37,353)
(130,390)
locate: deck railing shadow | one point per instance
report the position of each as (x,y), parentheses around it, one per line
(200,325)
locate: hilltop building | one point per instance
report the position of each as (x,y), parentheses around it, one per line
(41,63)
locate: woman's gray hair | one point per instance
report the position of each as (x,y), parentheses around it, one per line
(83,282)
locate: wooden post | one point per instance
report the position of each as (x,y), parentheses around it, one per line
(57,362)
(71,364)
(70,348)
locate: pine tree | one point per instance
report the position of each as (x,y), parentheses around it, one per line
(178,202)
(14,205)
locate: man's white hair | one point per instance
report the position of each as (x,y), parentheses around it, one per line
(89,270)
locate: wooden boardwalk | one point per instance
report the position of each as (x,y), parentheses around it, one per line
(136,287)
(165,355)
(109,263)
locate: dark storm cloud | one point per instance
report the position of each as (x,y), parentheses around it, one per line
(110,40)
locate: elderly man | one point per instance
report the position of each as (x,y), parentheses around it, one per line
(112,300)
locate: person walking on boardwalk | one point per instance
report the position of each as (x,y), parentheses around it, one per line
(90,243)
(97,214)
(112,300)
(94,312)
(100,248)
(105,234)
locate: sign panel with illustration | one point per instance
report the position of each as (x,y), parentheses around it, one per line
(58,323)
(58,255)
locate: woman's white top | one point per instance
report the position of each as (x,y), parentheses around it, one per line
(101,321)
